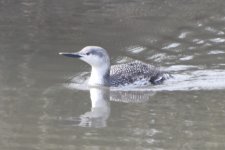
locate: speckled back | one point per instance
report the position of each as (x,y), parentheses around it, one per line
(129,73)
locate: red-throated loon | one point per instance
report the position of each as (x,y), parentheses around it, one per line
(102,73)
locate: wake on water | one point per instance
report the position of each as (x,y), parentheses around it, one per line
(185,78)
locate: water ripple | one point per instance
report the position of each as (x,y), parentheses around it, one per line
(214,52)
(136,49)
(217,40)
(172,45)
(185,81)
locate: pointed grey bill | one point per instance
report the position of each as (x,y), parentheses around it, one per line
(73,55)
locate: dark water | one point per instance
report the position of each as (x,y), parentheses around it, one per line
(40,109)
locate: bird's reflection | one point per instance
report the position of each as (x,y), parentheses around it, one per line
(100,105)
(100,109)
(130,96)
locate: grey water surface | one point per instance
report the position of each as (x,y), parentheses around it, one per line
(41,108)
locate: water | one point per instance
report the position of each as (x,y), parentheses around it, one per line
(41,109)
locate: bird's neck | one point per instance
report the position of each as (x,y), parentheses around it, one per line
(100,76)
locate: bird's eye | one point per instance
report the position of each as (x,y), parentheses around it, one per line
(87,53)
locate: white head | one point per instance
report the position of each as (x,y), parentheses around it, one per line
(93,55)
(99,60)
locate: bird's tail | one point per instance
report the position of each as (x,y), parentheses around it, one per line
(160,77)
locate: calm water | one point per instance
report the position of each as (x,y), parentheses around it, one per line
(40,107)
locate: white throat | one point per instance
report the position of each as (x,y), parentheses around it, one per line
(98,75)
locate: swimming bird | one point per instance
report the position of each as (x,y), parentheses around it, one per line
(102,73)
